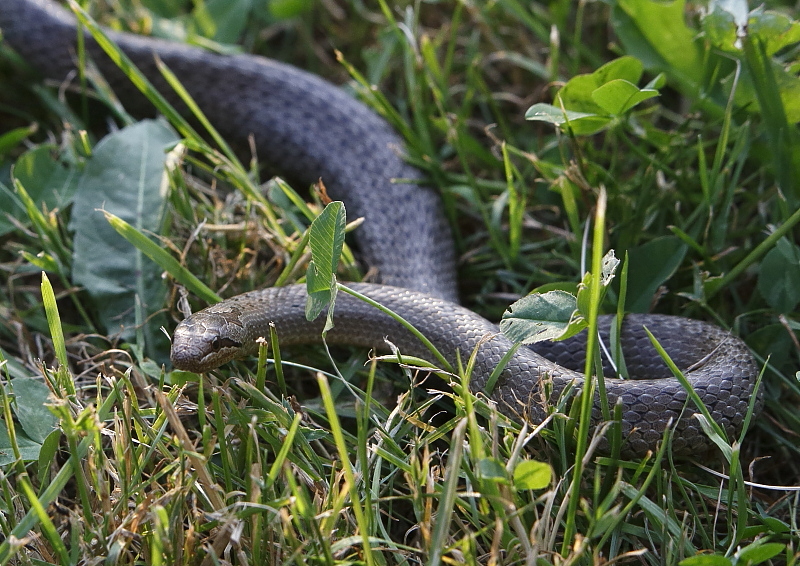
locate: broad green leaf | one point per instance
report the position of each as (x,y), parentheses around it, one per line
(531,474)
(652,264)
(29,449)
(589,102)
(49,182)
(548,113)
(656,32)
(492,469)
(125,176)
(539,317)
(623,68)
(706,560)
(226,19)
(326,239)
(720,28)
(577,93)
(320,292)
(774,29)
(34,422)
(772,340)
(35,418)
(542,112)
(286,9)
(618,96)
(775,525)
(779,276)
(758,552)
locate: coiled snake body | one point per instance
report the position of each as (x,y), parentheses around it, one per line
(308,128)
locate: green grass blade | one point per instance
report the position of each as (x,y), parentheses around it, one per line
(163,259)
(344,456)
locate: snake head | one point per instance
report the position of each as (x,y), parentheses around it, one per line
(204,341)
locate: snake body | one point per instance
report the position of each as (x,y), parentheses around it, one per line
(308,128)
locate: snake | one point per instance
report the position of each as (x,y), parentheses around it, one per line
(308,129)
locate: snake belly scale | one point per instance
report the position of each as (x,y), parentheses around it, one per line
(307,128)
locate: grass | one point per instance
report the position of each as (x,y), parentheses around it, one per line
(152,467)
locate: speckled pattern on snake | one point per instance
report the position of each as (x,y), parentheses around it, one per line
(307,128)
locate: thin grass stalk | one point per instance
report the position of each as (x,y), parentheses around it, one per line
(587,394)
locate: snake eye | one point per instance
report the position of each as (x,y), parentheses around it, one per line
(220,343)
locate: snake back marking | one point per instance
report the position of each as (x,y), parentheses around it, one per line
(307,128)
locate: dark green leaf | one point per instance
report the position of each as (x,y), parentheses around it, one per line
(772,340)
(126,176)
(29,449)
(492,469)
(779,276)
(30,408)
(35,423)
(285,9)
(319,292)
(651,264)
(775,525)
(326,239)
(225,19)
(49,182)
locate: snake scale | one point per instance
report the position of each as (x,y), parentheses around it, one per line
(307,128)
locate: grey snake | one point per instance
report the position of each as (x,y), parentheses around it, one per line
(308,129)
